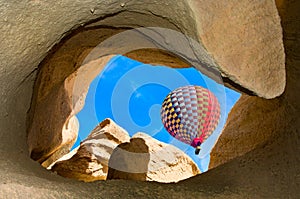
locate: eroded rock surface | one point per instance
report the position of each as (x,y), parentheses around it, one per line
(247,48)
(89,162)
(147,159)
(51,133)
(69,132)
(245,39)
(239,137)
(31,28)
(46,134)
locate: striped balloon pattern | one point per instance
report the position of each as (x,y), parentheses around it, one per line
(190,112)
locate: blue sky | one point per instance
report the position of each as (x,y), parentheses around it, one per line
(131,93)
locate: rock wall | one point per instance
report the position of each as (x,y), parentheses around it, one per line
(253,122)
(30,29)
(64,76)
(242,36)
(239,135)
(52,116)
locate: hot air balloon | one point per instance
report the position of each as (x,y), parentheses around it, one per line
(190,114)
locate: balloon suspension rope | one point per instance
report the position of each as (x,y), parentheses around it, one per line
(198,148)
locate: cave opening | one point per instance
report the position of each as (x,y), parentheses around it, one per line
(120,123)
(253,43)
(131,94)
(85,79)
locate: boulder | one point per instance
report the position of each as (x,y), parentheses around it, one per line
(89,162)
(147,159)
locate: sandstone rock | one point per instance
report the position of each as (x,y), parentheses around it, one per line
(31,28)
(64,157)
(147,159)
(69,132)
(46,134)
(238,136)
(89,162)
(254,60)
(245,39)
(51,133)
(148,56)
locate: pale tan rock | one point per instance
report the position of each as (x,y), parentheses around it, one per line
(89,162)
(31,28)
(246,48)
(238,136)
(46,134)
(245,39)
(64,157)
(69,136)
(50,136)
(147,159)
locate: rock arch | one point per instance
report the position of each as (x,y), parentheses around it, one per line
(31,29)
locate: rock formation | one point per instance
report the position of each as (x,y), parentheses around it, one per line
(46,133)
(69,136)
(231,34)
(241,36)
(60,72)
(52,137)
(89,162)
(238,136)
(147,159)
(107,153)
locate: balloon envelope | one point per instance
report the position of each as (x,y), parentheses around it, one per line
(190,112)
